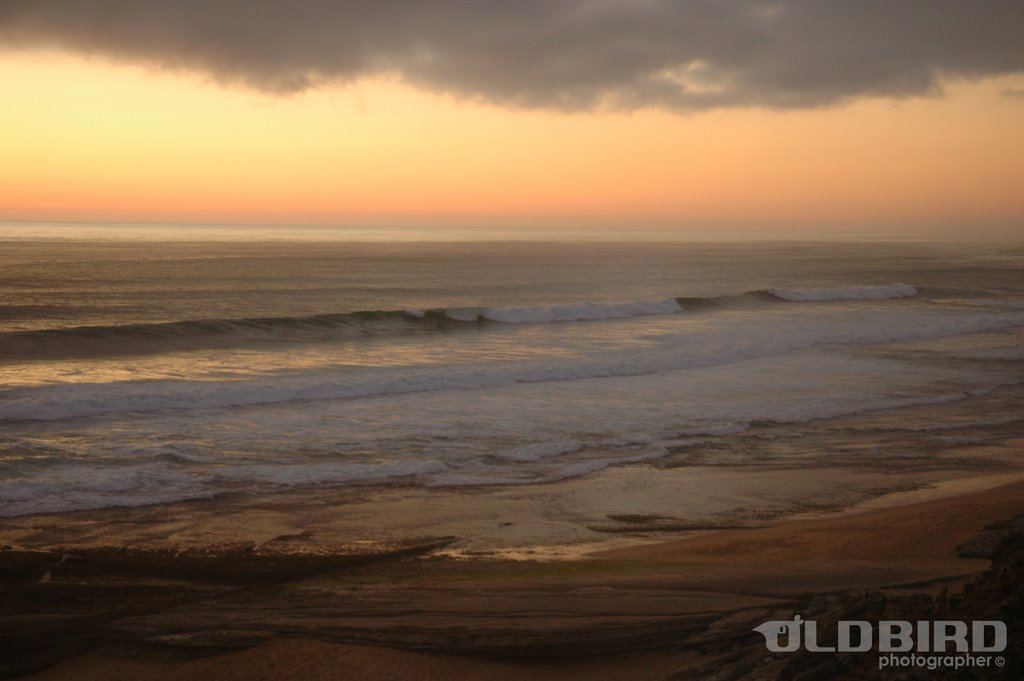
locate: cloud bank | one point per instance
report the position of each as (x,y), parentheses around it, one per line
(561,54)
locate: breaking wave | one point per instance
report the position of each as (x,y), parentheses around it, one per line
(765,339)
(82,341)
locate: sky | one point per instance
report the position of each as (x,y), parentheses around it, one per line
(724,114)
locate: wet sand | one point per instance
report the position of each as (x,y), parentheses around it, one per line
(637,608)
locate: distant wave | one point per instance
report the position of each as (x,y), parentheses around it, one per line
(797,295)
(79,341)
(573,312)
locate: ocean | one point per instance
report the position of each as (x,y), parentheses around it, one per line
(146,365)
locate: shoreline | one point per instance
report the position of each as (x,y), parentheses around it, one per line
(465,618)
(640,562)
(618,507)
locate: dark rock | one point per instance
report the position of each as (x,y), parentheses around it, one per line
(232,564)
(985,543)
(25,566)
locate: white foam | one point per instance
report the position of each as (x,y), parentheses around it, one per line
(69,486)
(853,293)
(80,487)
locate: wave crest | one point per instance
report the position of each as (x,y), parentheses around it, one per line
(190,334)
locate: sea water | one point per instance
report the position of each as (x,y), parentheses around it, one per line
(141,365)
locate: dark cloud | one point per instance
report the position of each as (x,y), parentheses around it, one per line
(565,54)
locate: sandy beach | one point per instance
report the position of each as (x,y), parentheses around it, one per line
(636,606)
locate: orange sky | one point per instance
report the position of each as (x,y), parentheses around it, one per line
(88,139)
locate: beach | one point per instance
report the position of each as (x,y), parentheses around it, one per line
(639,607)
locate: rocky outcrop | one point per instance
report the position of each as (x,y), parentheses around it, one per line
(738,654)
